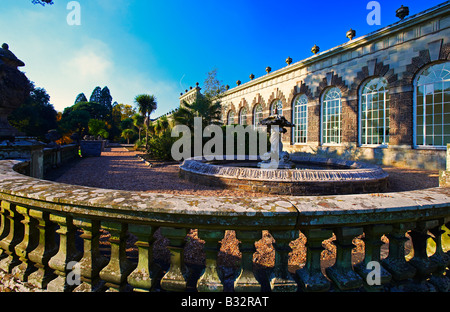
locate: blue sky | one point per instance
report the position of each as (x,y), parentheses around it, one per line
(163,47)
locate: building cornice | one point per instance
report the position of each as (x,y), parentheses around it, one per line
(409,22)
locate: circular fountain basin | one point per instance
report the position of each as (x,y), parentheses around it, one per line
(311,176)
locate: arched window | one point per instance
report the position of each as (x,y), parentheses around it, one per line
(243,117)
(374,112)
(331,116)
(276,108)
(257,115)
(300,119)
(432,106)
(230,119)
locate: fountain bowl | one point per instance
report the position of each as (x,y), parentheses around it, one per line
(310,176)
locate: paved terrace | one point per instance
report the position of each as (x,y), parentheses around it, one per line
(144,200)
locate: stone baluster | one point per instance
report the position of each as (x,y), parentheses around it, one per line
(210,280)
(4,227)
(14,237)
(442,260)
(119,267)
(45,250)
(372,258)
(246,282)
(143,277)
(424,266)
(174,279)
(64,261)
(341,273)
(29,243)
(310,276)
(396,263)
(92,262)
(282,280)
(420,260)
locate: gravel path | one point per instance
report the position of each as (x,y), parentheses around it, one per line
(119,168)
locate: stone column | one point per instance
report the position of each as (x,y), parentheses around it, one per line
(45,250)
(246,282)
(282,280)
(119,267)
(310,276)
(29,243)
(67,254)
(92,262)
(14,236)
(210,280)
(341,273)
(142,279)
(174,279)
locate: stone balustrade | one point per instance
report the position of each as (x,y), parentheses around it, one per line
(43,222)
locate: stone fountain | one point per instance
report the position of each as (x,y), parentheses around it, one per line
(277,158)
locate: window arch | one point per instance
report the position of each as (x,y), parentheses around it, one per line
(257,115)
(432,106)
(276,106)
(374,112)
(243,116)
(331,116)
(230,118)
(300,119)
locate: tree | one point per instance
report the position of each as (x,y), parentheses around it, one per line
(138,122)
(42,2)
(106,99)
(96,95)
(36,116)
(206,108)
(146,105)
(212,86)
(128,134)
(81,98)
(98,128)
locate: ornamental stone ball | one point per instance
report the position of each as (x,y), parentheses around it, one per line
(14,89)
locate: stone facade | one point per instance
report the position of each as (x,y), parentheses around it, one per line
(397,53)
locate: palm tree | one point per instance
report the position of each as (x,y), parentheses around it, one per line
(138,122)
(127,134)
(207,108)
(146,105)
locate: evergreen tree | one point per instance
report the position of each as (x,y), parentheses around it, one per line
(96,95)
(81,98)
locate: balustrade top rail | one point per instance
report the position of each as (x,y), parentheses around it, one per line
(270,213)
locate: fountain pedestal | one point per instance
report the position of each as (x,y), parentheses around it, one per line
(276,158)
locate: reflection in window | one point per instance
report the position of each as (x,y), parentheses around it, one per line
(432,109)
(300,119)
(374,112)
(331,116)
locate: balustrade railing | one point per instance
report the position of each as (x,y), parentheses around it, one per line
(49,237)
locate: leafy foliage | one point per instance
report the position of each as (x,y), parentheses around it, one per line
(36,116)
